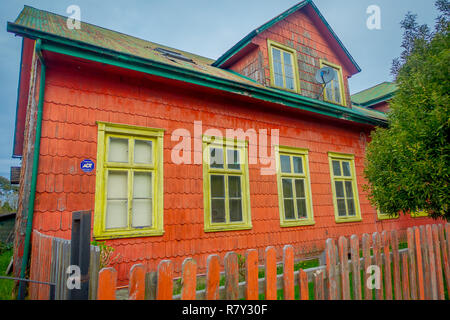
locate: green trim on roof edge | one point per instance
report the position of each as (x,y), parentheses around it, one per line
(90,52)
(247,39)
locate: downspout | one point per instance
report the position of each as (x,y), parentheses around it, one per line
(37,144)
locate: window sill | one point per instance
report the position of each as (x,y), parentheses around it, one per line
(289,224)
(128,234)
(345,220)
(223,228)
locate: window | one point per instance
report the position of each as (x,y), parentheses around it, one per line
(225,184)
(294,188)
(334,90)
(344,187)
(129,182)
(283,67)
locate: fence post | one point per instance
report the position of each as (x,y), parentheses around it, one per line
(354,245)
(271,274)
(251,275)
(164,289)
(107,283)
(318,285)
(80,252)
(377,256)
(331,269)
(288,273)
(412,264)
(231,276)
(368,293)
(396,265)
(420,276)
(136,286)
(437,252)
(212,277)
(303,285)
(387,265)
(189,278)
(444,254)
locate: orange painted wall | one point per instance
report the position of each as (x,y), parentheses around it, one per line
(300,32)
(76,96)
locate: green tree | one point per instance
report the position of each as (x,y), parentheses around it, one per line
(407,164)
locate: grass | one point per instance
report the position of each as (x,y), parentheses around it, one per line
(6,286)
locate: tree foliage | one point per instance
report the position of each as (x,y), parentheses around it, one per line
(408,163)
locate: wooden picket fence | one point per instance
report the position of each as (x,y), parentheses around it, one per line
(50,258)
(419,271)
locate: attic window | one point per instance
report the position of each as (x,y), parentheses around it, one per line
(173,55)
(283,67)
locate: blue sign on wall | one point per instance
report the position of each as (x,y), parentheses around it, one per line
(87,165)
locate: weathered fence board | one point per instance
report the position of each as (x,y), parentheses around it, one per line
(343,261)
(288,273)
(368,293)
(387,265)
(212,277)
(271,274)
(331,270)
(356,278)
(405,277)
(303,285)
(396,265)
(377,246)
(251,275)
(231,276)
(445,256)
(136,286)
(107,283)
(189,282)
(164,289)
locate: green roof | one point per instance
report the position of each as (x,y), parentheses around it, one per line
(376,94)
(102,45)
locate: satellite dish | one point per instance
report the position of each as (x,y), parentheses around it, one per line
(325,75)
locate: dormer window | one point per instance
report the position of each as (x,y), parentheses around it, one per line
(334,90)
(283,67)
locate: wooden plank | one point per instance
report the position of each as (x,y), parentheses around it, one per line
(368,293)
(412,264)
(189,284)
(405,278)
(354,250)
(231,276)
(318,286)
(344,269)
(271,274)
(107,283)
(136,285)
(151,280)
(303,285)
(288,273)
(396,265)
(426,263)
(164,287)
(212,277)
(387,265)
(437,253)
(432,262)
(420,274)
(447,240)
(331,269)
(445,257)
(377,247)
(251,275)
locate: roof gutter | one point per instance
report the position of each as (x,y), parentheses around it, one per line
(37,145)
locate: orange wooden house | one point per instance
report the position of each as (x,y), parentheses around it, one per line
(144,116)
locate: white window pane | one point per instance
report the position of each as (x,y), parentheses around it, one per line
(216,158)
(285,164)
(142,213)
(233,159)
(142,151)
(116,214)
(337,91)
(117,185)
(298,164)
(118,150)
(346,168)
(276,55)
(142,185)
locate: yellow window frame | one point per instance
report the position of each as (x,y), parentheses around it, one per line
(351,159)
(419,214)
(338,68)
(132,133)
(272,44)
(226,144)
(384,216)
(303,154)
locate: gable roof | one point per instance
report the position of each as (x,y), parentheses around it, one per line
(106,46)
(306,4)
(376,94)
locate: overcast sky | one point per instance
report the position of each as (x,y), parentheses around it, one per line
(209,28)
